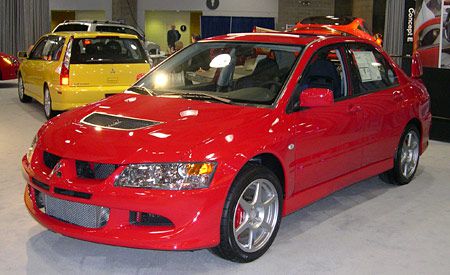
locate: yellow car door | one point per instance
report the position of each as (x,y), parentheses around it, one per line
(31,69)
(48,71)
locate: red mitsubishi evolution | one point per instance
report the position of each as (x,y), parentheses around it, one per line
(214,145)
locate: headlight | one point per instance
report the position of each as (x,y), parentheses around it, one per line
(7,60)
(167,176)
(31,149)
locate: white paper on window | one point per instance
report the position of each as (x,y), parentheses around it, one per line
(368,67)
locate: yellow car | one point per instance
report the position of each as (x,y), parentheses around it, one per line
(69,69)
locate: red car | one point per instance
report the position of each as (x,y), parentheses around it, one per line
(426,42)
(325,25)
(218,142)
(8,66)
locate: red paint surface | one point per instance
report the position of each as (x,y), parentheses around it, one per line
(335,146)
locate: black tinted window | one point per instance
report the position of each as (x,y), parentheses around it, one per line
(71,27)
(371,71)
(107,50)
(118,29)
(429,37)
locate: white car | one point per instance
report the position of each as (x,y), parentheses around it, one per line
(106,26)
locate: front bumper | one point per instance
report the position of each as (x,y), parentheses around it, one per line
(9,72)
(69,97)
(195,214)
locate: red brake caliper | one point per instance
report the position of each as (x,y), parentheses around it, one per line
(239,216)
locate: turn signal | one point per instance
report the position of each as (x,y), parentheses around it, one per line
(199,168)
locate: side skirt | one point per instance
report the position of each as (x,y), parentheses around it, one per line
(308,196)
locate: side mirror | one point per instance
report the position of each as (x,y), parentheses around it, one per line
(316,97)
(22,55)
(416,66)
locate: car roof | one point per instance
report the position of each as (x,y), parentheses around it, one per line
(266,37)
(103,22)
(286,38)
(83,34)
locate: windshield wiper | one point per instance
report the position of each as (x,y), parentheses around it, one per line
(141,90)
(205,96)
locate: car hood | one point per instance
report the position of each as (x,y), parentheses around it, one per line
(178,125)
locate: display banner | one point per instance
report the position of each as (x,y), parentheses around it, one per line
(432,33)
(408,34)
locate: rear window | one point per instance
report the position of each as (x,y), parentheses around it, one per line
(111,50)
(119,29)
(71,27)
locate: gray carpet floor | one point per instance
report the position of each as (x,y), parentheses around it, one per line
(368,228)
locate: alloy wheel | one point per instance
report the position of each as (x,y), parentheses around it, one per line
(47,103)
(409,154)
(255,215)
(21,88)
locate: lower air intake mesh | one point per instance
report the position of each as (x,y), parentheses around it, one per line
(80,214)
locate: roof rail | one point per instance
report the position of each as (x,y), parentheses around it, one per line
(94,21)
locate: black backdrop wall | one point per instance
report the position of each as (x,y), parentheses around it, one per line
(438,85)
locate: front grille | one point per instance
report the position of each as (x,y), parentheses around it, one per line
(89,170)
(117,122)
(80,214)
(50,159)
(148,219)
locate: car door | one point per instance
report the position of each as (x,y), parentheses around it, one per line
(378,92)
(53,55)
(32,68)
(327,139)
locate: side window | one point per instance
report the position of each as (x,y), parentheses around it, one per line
(370,70)
(326,70)
(57,44)
(102,28)
(36,53)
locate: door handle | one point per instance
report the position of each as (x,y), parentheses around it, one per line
(354,108)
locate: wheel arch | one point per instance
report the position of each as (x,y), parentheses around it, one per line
(274,164)
(416,122)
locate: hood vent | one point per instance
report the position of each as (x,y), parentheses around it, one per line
(109,121)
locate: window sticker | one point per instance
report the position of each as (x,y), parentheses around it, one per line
(368,67)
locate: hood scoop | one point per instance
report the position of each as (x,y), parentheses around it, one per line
(118,122)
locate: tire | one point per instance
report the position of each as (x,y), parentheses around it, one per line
(48,109)
(406,159)
(21,91)
(249,225)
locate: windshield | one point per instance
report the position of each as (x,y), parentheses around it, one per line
(251,73)
(107,50)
